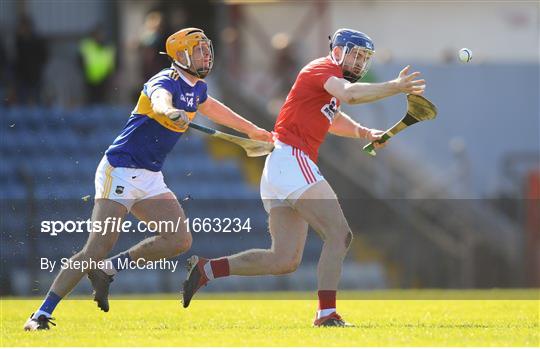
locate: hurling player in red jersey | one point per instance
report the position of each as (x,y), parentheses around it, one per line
(294,192)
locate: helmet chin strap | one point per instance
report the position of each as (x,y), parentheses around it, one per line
(339,62)
(184,66)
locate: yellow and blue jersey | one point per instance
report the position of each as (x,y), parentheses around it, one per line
(148,137)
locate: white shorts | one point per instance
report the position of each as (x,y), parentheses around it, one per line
(127,186)
(288,173)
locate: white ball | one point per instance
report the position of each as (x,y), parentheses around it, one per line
(465,55)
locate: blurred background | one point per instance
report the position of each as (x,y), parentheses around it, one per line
(450,203)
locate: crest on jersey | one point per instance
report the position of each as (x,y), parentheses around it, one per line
(330,110)
(119,190)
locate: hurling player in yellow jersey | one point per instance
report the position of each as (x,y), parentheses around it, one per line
(129,177)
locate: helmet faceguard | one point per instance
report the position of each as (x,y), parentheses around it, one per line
(355,63)
(201,60)
(357,50)
(191,51)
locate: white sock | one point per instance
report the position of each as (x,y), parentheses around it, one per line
(38,313)
(325,312)
(208,271)
(109,268)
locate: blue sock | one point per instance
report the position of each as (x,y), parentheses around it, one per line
(50,302)
(121,261)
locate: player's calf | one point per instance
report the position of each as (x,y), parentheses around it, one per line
(97,250)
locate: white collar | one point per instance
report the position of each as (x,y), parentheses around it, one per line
(181,73)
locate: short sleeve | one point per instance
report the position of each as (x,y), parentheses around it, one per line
(163,81)
(203,96)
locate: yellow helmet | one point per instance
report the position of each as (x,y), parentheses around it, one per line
(181,47)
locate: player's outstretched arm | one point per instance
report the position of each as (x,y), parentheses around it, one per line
(162,104)
(220,113)
(344,126)
(359,92)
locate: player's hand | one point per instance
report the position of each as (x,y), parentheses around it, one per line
(179,117)
(375,135)
(407,83)
(260,134)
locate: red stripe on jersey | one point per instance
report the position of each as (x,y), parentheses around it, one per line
(295,153)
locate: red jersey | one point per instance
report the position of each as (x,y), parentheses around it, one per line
(309,110)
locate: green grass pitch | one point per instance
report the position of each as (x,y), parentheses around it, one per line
(469,319)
